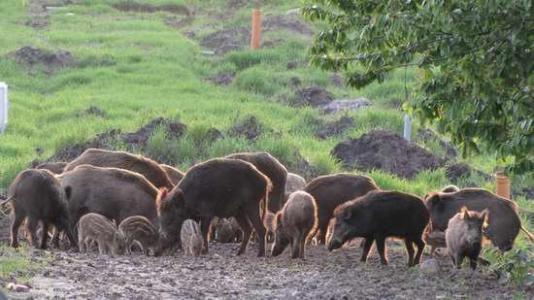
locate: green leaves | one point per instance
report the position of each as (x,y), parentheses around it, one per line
(476,56)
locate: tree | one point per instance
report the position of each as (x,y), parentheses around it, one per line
(475,57)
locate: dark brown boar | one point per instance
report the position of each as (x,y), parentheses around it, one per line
(332,190)
(464,236)
(294,224)
(113,193)
(273,169)
(38,195)
(217,188)
(152,171)
(97,228)
(54,167)
(378,215)
(504,223)
(191,238)
(174,174)
(140,229)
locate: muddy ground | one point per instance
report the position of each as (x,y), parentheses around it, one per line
(222,275)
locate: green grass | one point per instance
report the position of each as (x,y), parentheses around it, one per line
(18,264)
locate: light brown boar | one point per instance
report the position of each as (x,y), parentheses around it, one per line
(150,169)
(294,223)
(191,238)
(450,189)
(54,167)
(140,229)
(294,183)
(464,236)
(97,228)
(174,174)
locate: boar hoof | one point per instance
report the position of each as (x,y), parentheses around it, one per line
(14,244)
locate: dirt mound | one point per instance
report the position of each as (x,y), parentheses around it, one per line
(458,171)
(51,61)
(227,40)
(173,130)
(250,128)
(131,6)
(387,151)
(336,106)
(287,22)
(335,128)
(109,139)
(312,96)
(92,111)
(223,78)
(426,135)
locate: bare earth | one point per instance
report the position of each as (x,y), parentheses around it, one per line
(222,275)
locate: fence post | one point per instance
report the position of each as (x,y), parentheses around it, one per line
(502,185)
(407,128)
(4,106)
(255,34)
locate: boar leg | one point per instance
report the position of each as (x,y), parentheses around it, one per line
(420,248)
(32,227)
(321,232)
(368,242)
(247,230)
(253,214)
(44,236)
(410,250)
(17,221)
(473,263)
(205,229)
(295,247)
(302,245)
(381,247)
(55,238)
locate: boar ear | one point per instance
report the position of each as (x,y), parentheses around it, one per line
(484,215)
(278,218)
(464,213)
(160,199)
(68,191)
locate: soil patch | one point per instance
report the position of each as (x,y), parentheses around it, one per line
(173,130)
(426,135)
(50,61)
(223,78)
(312,96)
(221,274)
(387,151)
(226,40)
(336,106)
(335,128)
(250,128)
(131,6)
(287,22)
(458,171)
(92,111)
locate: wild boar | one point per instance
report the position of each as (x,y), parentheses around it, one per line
(273,169)
(191,238)
(174,174)
(332,190)
(225,230)
(217,188)
(503,225)
(464,236)
(450,189)
(38,195)
(113,193)
(294,183)
(378,215)
(97,228)
(140,229)
(294,224)
(54,167)
(150,169)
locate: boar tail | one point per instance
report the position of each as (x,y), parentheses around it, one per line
(529,235)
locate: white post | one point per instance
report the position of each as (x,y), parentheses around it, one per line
(4,105)
(407,128)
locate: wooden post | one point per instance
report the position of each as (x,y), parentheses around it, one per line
(502,185)
(255,35)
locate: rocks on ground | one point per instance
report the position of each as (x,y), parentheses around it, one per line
(32,57)
(336,106)
(226,40)
(387,151)
(133,6)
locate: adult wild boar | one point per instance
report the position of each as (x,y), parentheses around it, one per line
(216,188)
(503,225)
(378,215)
(174,174)
(54,167)
(38,196)
(113,193)
(295,223)
(332,190)
(271,168)
(294,183)
(152,171)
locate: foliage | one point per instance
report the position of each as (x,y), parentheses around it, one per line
(476,59)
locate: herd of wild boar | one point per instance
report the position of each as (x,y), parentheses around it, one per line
(117,201)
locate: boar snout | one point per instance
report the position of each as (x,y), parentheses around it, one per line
(334,244)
